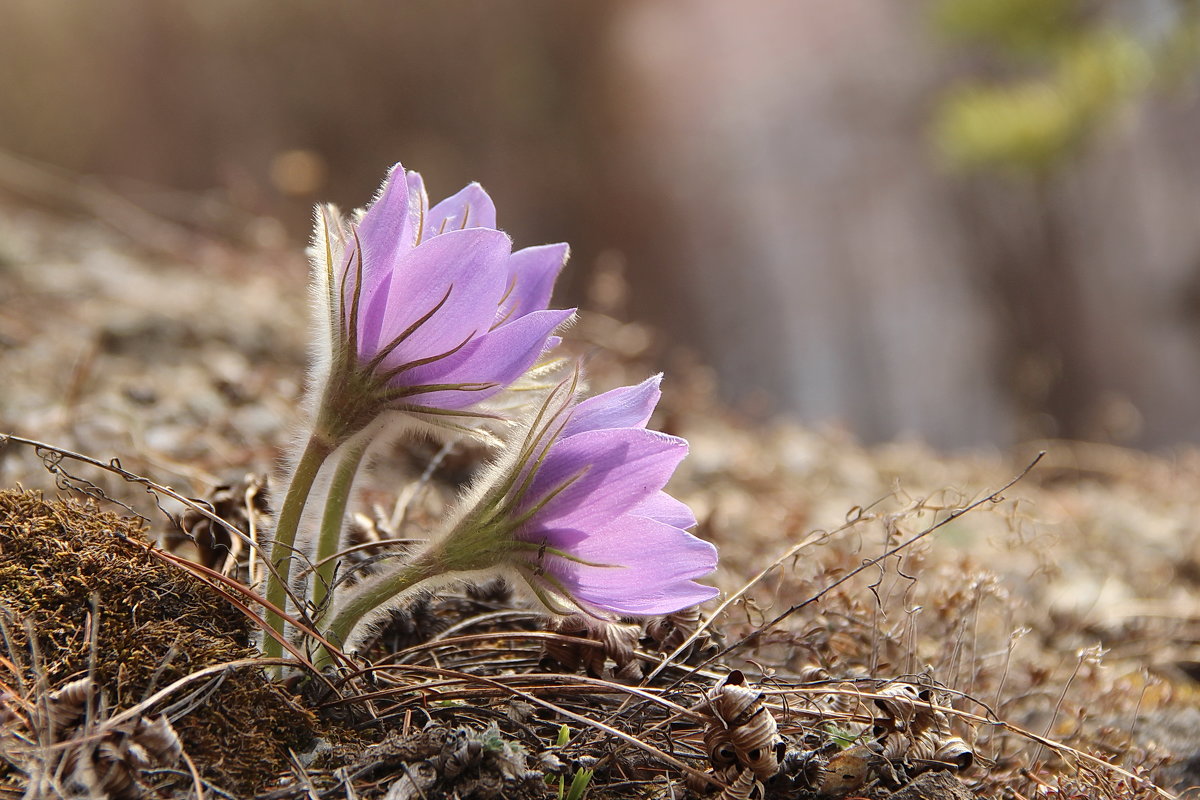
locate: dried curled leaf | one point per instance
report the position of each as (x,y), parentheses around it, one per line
(110,768)
(805,769)
(243,504)
(942,752)
(906,707)
(598,643)
(745,786)
(742,731)
(813,673)
(916,736)
(667,633)
(66,706)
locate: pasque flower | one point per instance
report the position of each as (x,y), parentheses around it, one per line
(430,310)
(577,509)
(423,311)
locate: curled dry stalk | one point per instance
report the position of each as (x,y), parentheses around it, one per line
(857,515)
(993,497)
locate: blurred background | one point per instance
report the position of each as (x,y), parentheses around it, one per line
(971,222)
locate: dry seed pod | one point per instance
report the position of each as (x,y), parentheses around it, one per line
(616,641)
(805,769)
(744,787)
(813,673)
(68,704)
(239,503)
(906,706)
(742,722)
(942,752)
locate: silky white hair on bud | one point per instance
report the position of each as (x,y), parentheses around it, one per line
(532,427)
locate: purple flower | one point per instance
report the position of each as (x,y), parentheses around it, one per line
(577,508)
(597,529)
(426,311)
(431,310)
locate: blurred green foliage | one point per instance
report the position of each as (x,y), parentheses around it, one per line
(1056,71)
(1019,26)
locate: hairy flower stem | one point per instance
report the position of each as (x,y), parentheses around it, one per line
(283,546)
(474,544)
(429,564)
(331,521)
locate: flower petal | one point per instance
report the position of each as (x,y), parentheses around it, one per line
(626,407)
(391,225)
(470,207)
(386,232)
(662,507)
(459,277)
(532,273)
(500,356)
(652,567)
(610,472)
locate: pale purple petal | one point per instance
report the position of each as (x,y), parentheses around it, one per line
(610,472)
(564,539)
(418,205)
(665,508)
(532,273)
(470,207)
(372,316)
(390,227)
(626,407)
(386,233)
(652,567)
(466,270)
(499,357)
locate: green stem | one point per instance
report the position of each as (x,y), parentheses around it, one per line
(283,546)
(331,521)
(473,545)
(367,598)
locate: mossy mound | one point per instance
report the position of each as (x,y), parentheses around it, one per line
(99,604)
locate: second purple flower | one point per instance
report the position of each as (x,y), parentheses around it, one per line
(576,508)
